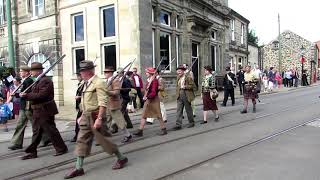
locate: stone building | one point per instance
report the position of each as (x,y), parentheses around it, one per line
(117,32)
(36,36)
(291,52)
(253,57)
(238,44)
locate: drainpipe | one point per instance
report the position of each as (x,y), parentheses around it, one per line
(10,36)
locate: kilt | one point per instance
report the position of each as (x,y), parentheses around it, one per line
(249,91)
(208,103)
(151,109)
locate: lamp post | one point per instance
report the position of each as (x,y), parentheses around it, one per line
(302,49)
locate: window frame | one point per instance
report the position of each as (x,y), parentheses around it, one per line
(74,27)
(103,55)
(170,53)
(102,21)
(2,14)
(34,6)
(169,18)
(153,48)
(233,30)
(177,50)
(242,34)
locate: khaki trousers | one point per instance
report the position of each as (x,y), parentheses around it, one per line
(116,117)
(86,134)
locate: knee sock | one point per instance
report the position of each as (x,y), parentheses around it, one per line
(119,155)
(79,162)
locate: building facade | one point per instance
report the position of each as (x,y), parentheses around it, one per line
(253,57)
(292,48)
(36,36)
(238,41)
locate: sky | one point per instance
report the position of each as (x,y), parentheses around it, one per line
(300,17)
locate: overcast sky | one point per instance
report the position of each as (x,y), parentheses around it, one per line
(301,17)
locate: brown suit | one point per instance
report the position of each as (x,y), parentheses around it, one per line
(185,96)
(114,105)
(44,108)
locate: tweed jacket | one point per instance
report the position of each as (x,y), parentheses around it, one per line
(189,87)
(94,95)
(25,84)
(113,92)
(42,99)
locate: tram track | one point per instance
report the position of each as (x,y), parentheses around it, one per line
(261,140)
(50,169)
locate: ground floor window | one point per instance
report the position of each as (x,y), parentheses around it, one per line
(109,55)
(165,50)
(78,56)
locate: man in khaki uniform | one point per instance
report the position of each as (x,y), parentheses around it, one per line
(94,105)
(114,104)
(185,95)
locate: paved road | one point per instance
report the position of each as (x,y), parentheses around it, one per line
(154,157)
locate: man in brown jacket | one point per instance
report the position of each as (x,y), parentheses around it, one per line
(44,108)
(114,114)
(93,105)
(185,95)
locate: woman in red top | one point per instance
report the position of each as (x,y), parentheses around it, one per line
(151,108)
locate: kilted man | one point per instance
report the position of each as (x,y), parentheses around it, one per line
(209,104)
(93,104)
(162,95)
(114,115)
(250,91)
(185,95)
(151,108)
(44,109)
(78,101)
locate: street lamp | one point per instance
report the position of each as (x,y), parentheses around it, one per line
(302,51)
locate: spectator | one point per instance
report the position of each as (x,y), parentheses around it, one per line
(5,114)
(240,78)
(229,83)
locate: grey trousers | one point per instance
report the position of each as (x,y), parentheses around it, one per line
(182,102)
(18,136)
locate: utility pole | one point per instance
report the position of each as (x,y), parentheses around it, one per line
(10,36)
(279,52)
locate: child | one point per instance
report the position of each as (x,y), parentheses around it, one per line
(5,113)
(265,82)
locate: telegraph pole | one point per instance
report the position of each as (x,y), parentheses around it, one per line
(10,36)
(279,52)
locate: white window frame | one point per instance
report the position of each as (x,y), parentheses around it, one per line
(2,11)
(153,49)
(102,23)
(215,56)
(36,6)
(177,50)
(242,34)
(215,35)
(169,17)
(74,27)
(170,68)
(39,57)
(232,30)
(74,60)
(177,21)
(152,14)
(103,64)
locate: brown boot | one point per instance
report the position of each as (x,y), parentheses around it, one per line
(139,133)
(163,132)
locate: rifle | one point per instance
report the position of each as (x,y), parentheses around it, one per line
(44,73)
(118,74)
(20,85)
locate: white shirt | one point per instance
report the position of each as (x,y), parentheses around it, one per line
(136,79)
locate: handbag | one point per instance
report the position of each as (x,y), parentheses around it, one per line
(214,94)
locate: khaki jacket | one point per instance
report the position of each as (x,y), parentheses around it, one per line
(94,95)
(114,102)
(189,88)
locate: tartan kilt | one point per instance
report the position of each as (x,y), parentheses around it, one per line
(250,91)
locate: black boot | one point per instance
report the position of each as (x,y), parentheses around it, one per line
(243,111)
(254,108)
(139,133)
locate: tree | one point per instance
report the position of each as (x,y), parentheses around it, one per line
(252,38)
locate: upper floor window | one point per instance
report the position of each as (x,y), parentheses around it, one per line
(232,30)
(2,11)
(242,33)
(108,21)
(152,14)
(78,27)
(214,35)
(37,8)
(164,18)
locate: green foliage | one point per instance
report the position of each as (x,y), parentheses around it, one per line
(6,71)
(252,38)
